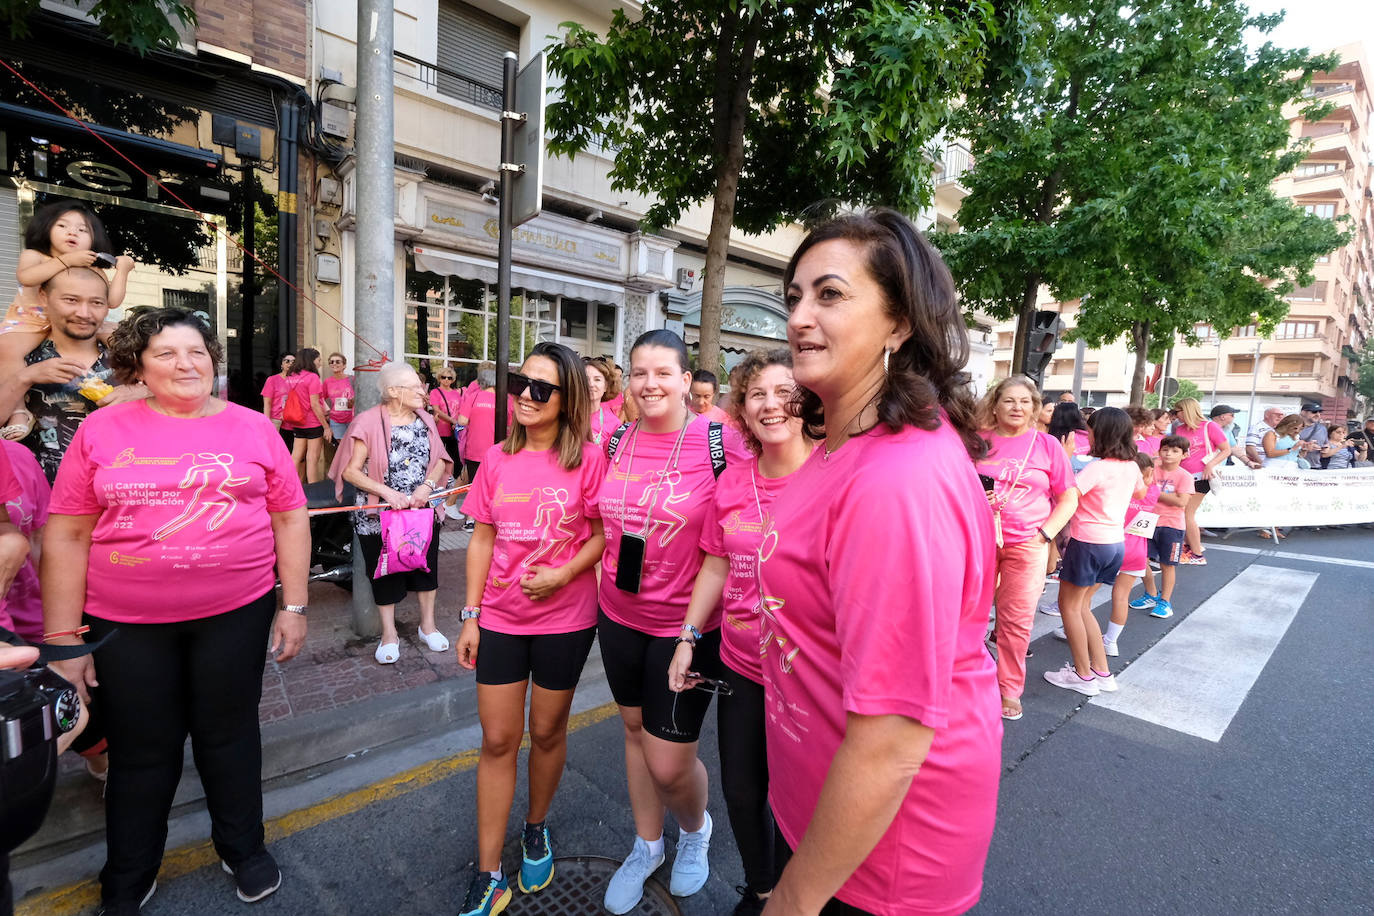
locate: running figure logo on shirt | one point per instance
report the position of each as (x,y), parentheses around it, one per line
(665,480)
(211,475)
(552,515)
(770,633)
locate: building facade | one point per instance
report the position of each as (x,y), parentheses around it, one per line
(1309,357)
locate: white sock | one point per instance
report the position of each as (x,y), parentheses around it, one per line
(1114,631)
(656,846)
(498,874)
(704,828)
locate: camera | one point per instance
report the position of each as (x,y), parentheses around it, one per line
(104,259)
(36,706)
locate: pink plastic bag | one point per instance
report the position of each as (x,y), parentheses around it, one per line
(406,534)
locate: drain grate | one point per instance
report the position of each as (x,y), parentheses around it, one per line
(578,888)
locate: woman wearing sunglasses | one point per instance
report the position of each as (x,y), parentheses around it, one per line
(657,495)
(339,395)
(732,539)
(531,607)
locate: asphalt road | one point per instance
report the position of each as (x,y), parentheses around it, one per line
(1122,810)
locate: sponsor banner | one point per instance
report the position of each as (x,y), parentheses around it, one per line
(1242,498)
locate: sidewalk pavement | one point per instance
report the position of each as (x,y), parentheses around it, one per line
(329,704)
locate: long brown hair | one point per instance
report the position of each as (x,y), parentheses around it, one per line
(574,406)
(926,374)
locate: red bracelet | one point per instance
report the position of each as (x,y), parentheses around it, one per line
(77,632)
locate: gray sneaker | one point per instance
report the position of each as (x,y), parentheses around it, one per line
(627,884)
(690,868)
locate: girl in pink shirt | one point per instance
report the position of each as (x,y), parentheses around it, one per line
(1207,449)
(338,395)
(884,734)
(732,538)
(303,386)
(657,496)
(531,605)
(1032,496)
(1096,548)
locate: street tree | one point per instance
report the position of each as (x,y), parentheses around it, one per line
(1138,176)
(142,25)
(1364,371)
(775,111)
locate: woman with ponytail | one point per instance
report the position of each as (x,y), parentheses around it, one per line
(884,728)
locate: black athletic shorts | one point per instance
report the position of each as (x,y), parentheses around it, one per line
(637,671)
(391,589)
(1202,486)
(554,661)
(309,432)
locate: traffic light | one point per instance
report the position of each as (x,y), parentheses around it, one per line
(1042,339)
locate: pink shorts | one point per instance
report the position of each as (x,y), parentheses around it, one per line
(1135,560)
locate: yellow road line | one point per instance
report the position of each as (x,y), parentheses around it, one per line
(70,900)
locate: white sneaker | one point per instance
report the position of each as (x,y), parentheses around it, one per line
(690,867)
(627,884)
(1105,683)
(1050,609)
(1060,634)
(1068,678)
(454,512)
(1109,646)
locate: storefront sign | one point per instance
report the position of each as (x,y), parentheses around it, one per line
(537,242)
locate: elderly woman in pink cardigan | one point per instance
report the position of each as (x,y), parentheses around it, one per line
(393,456)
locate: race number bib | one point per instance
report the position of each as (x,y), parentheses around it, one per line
(341,403)
(1143,525)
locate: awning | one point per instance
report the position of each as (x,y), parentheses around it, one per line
(467,267)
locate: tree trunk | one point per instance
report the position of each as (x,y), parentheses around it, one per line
(1140,342)
(734,79)
(1028,299)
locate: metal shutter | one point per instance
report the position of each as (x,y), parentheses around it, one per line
(472,42)
(11,240)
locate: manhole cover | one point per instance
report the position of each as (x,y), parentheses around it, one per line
(579,886)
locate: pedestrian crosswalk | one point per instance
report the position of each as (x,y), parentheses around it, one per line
(1195,679)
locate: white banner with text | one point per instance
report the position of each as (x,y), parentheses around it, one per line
(1242,498)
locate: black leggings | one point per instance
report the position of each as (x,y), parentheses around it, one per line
(160,682)
(835,907)
(744,777)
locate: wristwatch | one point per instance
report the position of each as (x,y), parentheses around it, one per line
(471,612)
(431,484)
(295,608)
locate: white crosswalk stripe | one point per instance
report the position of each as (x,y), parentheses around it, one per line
(1195,679)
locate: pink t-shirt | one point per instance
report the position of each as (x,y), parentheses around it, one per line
(1032,472)
(1197,444)
(25,496)
(1081,443)
(183,530)
(541,513)
(302,386)
(742,515)
(1105,488)
(450,402)
(670,504)
(604,423)
(716,415)
(480,433)
(1138,548)
(338,392)
(614,404)
(275,388)
(1176,482)
(1149,445)
(877,585)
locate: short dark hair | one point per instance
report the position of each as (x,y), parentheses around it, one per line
(1144,462)
(1066,419)
(38,233)
(662,337)
(1178,442)
(46,285)
(131,338)
(1140,416)
(925,376)
(706,375)
(754,362)
(307,360)
(1113,435)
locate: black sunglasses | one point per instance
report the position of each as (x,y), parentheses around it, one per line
(540,390)
(697,681)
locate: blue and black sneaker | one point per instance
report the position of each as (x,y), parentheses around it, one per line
(487,895)
(536,863)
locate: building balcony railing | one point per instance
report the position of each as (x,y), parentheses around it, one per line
(955,161)
(448,82)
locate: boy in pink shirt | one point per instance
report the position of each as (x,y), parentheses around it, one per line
(1166,546)
(1135,562)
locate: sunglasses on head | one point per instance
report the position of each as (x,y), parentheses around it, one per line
(540,390)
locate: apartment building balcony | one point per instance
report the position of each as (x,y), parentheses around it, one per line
(950,189)
(1333,138)
(1325,184)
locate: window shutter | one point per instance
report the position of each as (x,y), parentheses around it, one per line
(472,42)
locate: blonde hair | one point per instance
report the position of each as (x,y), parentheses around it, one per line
(1293,422)
(1189,412)
(987,408)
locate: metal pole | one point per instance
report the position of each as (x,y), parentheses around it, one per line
(1254,383)
(374,269)
(248,294)
(507,219)
(1164,379)
(1216,373)
(1079,352)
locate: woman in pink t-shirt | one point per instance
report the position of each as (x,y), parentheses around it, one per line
(745,493)
(531,606)
(1207,450)
(604,420)
(1033,497)
(171,520)
(303,386)
(1096,549)
(445,404)
(656,498)
(274,396)
(339,395)
(884,733)
(477,416)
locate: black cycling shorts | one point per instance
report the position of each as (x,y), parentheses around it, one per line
(554,661)
(637,671)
